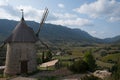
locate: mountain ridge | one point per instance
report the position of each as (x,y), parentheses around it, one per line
(54,33)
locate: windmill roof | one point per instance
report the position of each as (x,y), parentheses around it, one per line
(22,33)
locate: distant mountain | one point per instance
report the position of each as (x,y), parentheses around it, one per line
(112,40)
(52,33)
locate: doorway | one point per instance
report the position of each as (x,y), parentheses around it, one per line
(24,66)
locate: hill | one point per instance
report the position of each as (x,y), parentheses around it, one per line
(52,33)
(115,39)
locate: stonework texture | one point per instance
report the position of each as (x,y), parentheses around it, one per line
(18,52)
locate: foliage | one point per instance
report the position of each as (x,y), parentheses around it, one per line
(43,55)
(79,66)
(91,77)
(116,71)
(103,65)
(103,53)
(48,56)
(39,61)
(89,59)
(1,75)
(111,58)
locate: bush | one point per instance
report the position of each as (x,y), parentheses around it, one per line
(48,56)
(39,61)
(116,71)
(89,59)
(79,66)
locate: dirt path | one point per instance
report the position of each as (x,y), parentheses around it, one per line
(59,73)
(22,78)
(2,78)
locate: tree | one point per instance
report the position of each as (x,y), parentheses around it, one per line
(116,71)
(89,59)
(79,66)
(48,56)
(43,57)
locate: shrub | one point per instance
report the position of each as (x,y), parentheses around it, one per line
(48,56)
(89,59)
(79,66)
(39,61)
(116,71)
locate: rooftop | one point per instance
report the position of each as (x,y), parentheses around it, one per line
(22,33)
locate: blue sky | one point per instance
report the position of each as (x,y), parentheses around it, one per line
(100,18)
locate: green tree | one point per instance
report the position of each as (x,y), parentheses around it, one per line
(43,57)
(79,66)
(48,56)
(89,59)
(116,71)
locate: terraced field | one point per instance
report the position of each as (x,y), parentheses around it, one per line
(111,57)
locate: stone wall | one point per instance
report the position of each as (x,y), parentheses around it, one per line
(17,52)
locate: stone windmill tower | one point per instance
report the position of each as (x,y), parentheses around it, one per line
(21,52)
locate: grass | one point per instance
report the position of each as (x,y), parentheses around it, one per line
(1,75)
(65,57)
(113,57)
(78,51)
(104,65)
(47,68)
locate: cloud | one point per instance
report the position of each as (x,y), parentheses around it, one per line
(61,5)
(65,15)
(34,14)
(31,13)
(113,19)
(108,9)
(71,20)
(6,15)
(93,32)
(3,3)
(73,23)
(7,11)
(10,12)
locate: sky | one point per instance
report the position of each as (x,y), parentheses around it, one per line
(100,18)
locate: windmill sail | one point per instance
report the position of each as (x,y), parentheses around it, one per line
(42,21)
(46,45)
(45,14)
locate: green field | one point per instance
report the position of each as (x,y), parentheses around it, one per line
(113,57)
(103,64)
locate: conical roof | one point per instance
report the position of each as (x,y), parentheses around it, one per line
(22,33)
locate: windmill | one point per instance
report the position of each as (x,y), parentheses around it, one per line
(21,52)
